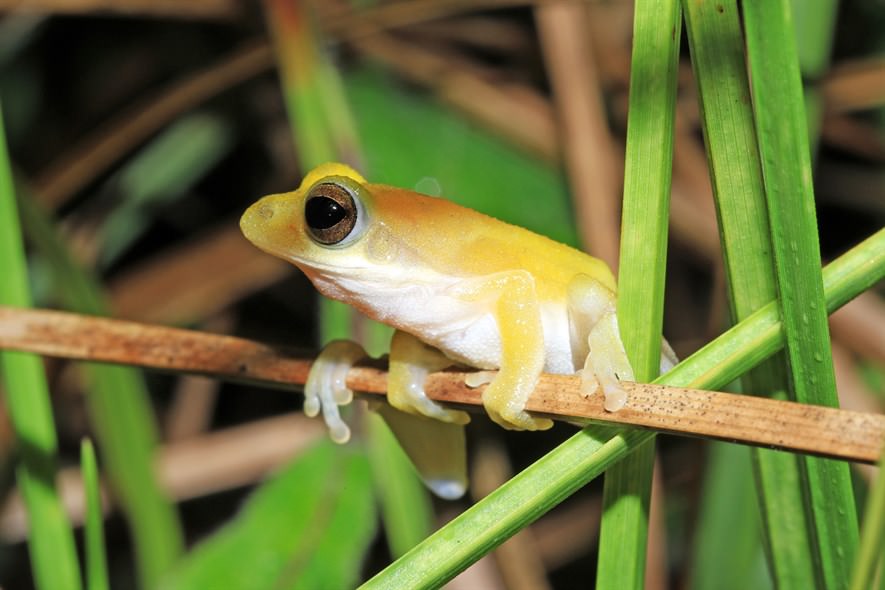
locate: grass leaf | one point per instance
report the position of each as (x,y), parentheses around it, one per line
(717,52)
(786,165)
(649,167)
(121,414)
(51,542)
(96,561)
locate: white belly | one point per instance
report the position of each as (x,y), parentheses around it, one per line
(465,331)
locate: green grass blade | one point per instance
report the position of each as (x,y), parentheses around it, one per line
(96,561)
(717,52)
(585,455)
(165,170)
(51,541)
(871,553)
(121,415)
(786,164)
(726,544)
(649,167)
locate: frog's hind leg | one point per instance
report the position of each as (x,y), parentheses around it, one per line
(431,435)
(596,341)
(437,450)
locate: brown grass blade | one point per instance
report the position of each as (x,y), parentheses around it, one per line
(829,432)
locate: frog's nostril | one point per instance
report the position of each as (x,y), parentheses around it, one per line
(266,211)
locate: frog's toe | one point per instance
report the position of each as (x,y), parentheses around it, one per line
(589,383)
(326,387)
(516,419)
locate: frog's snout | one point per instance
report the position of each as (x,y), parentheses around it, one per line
(260,217)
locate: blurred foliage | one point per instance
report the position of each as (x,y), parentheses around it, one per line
(426,84)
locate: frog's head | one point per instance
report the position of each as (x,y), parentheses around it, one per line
(326,223)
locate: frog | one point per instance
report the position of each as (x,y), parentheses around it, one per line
(460,288)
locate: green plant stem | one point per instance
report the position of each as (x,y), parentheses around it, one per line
(124,424)
(717,52)
(51,542)
(649,166)
(96,561)
(786,164)
(578,460)
(871,552)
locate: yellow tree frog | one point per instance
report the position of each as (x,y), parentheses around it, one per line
(460,288)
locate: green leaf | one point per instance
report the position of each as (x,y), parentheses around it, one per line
(726,544)
(308,527)
(643,261)
(163,171)
(717,53)
(871,553)
(96,561)
(51,542)
(786,165)
(121,414)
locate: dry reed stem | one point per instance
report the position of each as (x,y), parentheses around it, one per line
(195,280)
(745,419)
(856,85)
(193,9)
(583,126)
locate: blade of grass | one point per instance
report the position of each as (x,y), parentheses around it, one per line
(96,561)
(324,129)
(585,455)
(726,542)
(717,54)
(51,543)
(786,165)
(871,553)
(649,167)
(164,171)
(124,424)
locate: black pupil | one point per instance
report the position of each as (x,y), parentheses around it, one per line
(323,212)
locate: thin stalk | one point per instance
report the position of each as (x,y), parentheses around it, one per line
(96,561)
(786,165)
(717,52)
(649,166)
(121,415)
(51,543)
(871,553)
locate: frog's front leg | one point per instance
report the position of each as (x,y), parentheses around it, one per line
(518,316)
(594,332)
(410,362)
(326,387)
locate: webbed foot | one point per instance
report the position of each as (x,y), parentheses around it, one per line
(326,389)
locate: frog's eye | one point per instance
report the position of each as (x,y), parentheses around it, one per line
(333,214)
